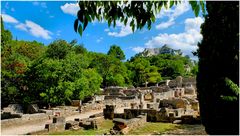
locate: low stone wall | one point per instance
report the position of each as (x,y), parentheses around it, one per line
(135,123)
(121,103)
(123,126)
(92,106)
(25,119)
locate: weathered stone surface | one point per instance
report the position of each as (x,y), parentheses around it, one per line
(72,125)
(177,121)
(53,127)
(76,103)
(108,112)
(60,120)
(32,108)
(13,108)
(96,115)
(123,126)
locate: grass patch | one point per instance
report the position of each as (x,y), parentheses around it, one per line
(103,127)
(153,128)
(106,125)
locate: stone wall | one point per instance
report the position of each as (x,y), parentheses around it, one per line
(26,119)
(123,126)
(135,123)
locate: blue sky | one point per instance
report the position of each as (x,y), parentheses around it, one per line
(46,21)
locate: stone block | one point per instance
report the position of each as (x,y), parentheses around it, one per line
(76,103)
(32,108)
(96,115)
(59,120)
(72,125)
(177,121)
(14,108)
(53,127)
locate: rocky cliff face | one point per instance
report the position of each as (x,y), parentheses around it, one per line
(163,50)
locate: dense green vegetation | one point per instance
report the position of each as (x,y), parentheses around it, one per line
(55,74)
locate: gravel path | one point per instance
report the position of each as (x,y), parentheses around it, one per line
(21,130)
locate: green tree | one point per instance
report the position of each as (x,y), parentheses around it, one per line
(58,49)
(218,76)
(6,35)
(142,72)
(152,75)
(111,69)
(116,52)
(57,81)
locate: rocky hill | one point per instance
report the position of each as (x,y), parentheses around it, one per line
(156,51)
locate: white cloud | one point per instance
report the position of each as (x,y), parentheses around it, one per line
(70,8)
(9,19)
(38,31)
(22,27)
(99,40)
(137,49)
(186,41)
(193,23)
(29,26)
(175,11)
(164,25)
(124,30)
(172,14)
(106,30)
(181,8)
(34,29)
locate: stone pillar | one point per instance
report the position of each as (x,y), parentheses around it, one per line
(179,81)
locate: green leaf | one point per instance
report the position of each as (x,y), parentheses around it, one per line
(133,27)
(196,10)
(149,24)
(80,15)
(203,7)
(153,18)
(234,87)
(80,30)
(85,24)
(122,19)
(88,18)
(109,22)
(125,21)
(171,3)
(114,23)
(75,25)
(160,6)
(165,4)
(193,4)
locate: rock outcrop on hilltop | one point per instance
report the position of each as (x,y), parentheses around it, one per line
(165,49)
